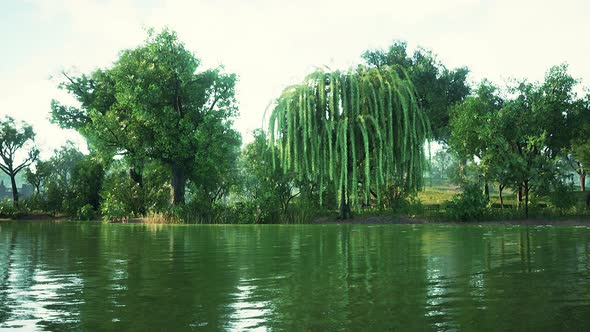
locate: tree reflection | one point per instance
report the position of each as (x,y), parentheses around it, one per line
(70,276)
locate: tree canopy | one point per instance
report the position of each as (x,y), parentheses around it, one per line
(153,103)
(438,88)
(345,129)
(17,150)
(517,133)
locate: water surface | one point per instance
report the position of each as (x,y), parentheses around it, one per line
(105,277)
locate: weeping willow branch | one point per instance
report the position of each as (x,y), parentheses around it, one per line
(363,126)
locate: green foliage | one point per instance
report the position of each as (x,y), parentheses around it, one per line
(517,139)
(442,163)
(86,212)
(438,88)
(17,150)
(215,171)
(7,209)
(121,197)
(468,205)
(153,104)
(113,208)
(55,197)
(38,175)
(87,177)
(268,190)
(356,131)
(68,181)
(38,202)
(155,178)
(409,205)
(562,196)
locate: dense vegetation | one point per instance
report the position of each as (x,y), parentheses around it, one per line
(162,147)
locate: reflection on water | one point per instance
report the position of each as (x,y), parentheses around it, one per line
(249,313)
(95,277)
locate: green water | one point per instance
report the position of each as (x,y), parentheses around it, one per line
(101,277)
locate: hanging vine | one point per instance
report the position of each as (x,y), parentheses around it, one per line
(360,130)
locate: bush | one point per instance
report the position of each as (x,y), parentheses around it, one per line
(121,197)
(113,209)
(562,196)
(37,202)
(7,210)
(86,212)
(469,205)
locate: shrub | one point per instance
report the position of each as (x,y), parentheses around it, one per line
(7,210)
(86,212)
(468,205)
(121,197)
(37,202)
(562,196)
(113,209)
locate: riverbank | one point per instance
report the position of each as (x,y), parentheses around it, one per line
(408,220)
(369,220)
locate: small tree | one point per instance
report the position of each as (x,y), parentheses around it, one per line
(38,175)
(270,188)
(17,150)
(442,160)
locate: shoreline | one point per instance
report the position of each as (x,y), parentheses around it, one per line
(368,220)
(407,220)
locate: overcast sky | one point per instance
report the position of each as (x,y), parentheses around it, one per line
(271,44)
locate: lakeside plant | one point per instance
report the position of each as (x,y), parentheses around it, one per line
(469,205)
(358,131)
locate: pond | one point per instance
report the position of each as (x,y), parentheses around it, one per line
(60,276)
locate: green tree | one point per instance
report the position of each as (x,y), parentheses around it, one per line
(17,150)
(38,175)
(563,117)
(215,172)
(508,136)
(87,181)
(270,188)
(59,186)
(472,126)
(442,160)
(577,152)
(122,196)
(556,105)
(152,104)
(345,129)
(437,87)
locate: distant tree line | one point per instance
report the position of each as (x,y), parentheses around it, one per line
(161,143)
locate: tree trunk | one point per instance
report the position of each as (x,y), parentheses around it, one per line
(462,168)
(136,176)
(583,181)
(14,189)
(486,190)
(177,184)
(519,196)
(345,212)
(500,189)
(526,202)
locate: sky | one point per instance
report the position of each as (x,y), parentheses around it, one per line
(272,44)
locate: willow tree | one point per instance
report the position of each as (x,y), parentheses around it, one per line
(360,131)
